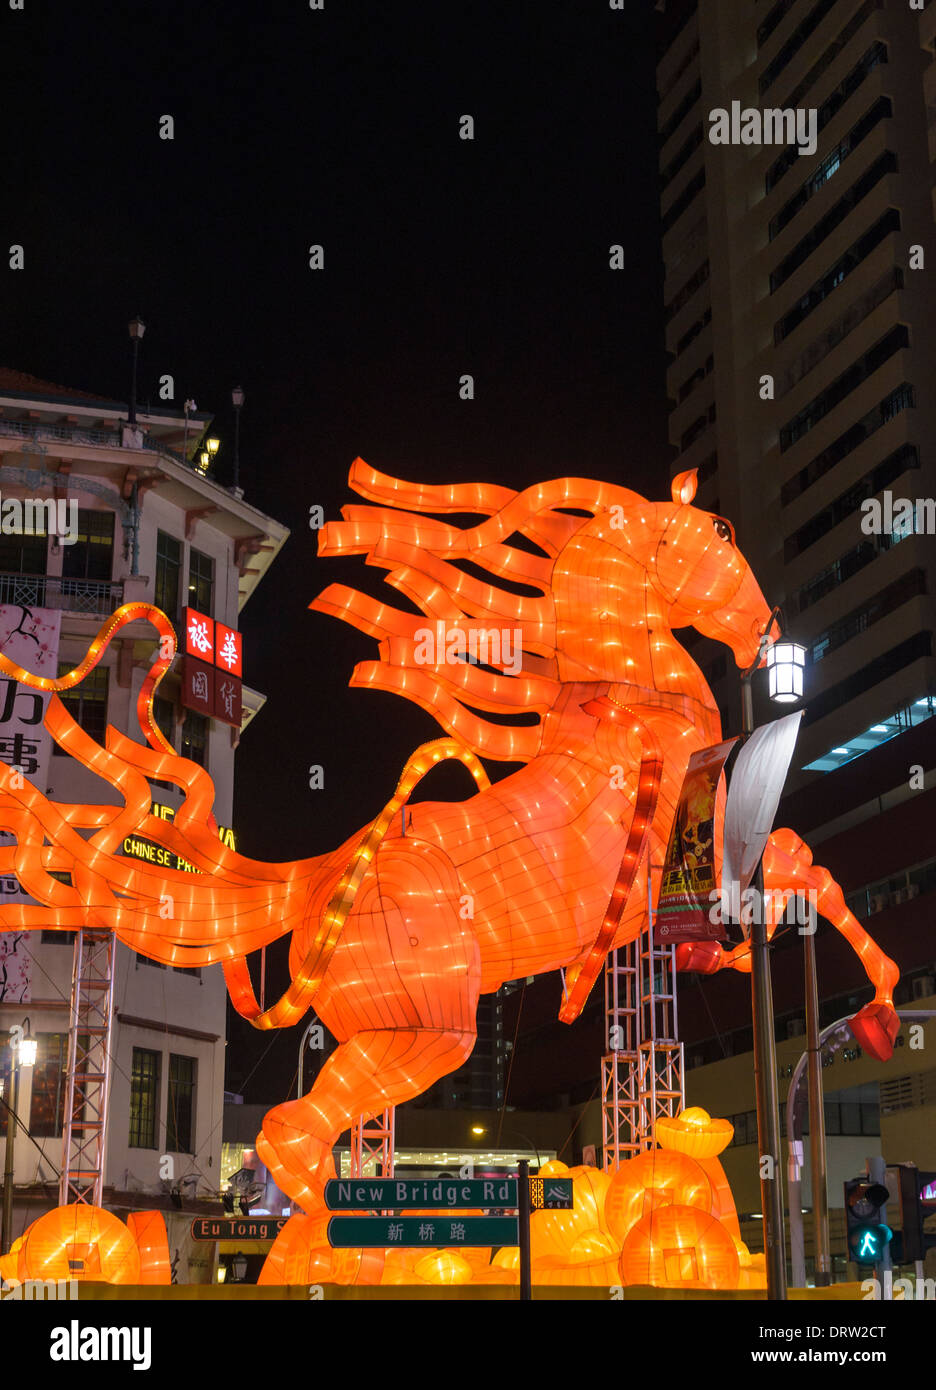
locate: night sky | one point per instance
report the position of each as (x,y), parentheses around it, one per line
(442,257)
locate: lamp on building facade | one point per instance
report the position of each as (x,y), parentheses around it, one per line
(137,328)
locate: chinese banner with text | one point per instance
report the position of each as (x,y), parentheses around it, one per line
(684,910)
(30,637)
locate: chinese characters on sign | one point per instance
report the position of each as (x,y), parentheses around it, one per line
(30,637)
(212,668)
(689,869)
(199,635)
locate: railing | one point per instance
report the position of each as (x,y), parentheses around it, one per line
(73,434)
(92,596)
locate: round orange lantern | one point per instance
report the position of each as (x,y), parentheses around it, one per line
(693,1132)
(148,1229)
(680,1247)
(444,1267)
(79,1242)
(553,1233)
(655,1179)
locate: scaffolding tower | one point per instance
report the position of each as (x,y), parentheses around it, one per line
(88,1072)
(372,1144)
(642,1072)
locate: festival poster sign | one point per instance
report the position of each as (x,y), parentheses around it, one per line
(685,903)
(30,637)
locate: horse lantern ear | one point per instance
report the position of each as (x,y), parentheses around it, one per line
(684,486)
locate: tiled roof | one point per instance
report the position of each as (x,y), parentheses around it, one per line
(21,383)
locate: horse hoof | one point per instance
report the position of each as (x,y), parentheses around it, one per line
(704,957)
(874,1028)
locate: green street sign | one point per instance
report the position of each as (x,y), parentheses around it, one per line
(349,1232)
(452,1194)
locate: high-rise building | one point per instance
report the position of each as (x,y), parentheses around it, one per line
(152,523)
(800,322)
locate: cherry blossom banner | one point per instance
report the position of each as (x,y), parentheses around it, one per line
(30,637)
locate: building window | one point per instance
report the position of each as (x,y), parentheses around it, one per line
(195,738)
(681,111)
(887,601)
(144,1098)
(886,410)
(875,55)
(794,43)
(47,1105)
(25,554)
(836,392)
(180,1110)
(880,111)
(676,209)
(691,287)
(148,960)
(201,581)
(92,555)
(168,573)
(884,165)
(164,717)
(86,703)
(889,222)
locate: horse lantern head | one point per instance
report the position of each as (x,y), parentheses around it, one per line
(654,565)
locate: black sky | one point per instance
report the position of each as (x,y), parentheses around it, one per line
(442,257)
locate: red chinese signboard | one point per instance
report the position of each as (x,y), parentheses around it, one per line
(228,650)
(199,635)
(227,699)
(198,686)
(212,669)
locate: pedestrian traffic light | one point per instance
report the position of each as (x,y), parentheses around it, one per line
(868,1235)
(917,1190)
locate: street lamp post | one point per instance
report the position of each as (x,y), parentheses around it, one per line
(137,329)
(765,1052)
(23,1051)
(238,398)
(785,665)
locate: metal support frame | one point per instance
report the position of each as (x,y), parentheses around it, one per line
(642,1076)
(87,1082)
(372,1140)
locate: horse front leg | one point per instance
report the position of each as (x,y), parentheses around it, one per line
(788,864)
(789,868)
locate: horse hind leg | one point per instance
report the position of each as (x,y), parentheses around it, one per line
(362,1076)
(788,865)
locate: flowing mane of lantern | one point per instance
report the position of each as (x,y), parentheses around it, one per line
(560,604)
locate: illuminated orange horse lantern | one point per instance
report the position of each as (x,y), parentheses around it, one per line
(397,932)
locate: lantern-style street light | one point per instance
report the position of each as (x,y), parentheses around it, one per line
(237,397)
(137,328)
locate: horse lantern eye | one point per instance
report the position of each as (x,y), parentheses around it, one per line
(722,529)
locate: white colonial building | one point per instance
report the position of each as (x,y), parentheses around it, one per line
(153,525)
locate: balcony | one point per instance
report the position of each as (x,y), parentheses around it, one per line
(94,597)
(98,439)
